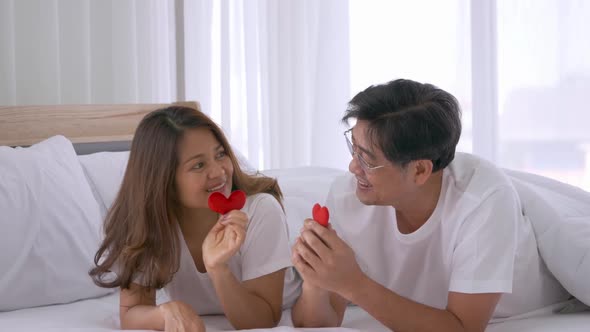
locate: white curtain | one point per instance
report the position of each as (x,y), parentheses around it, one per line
(82,51)
(277,74)
(274,74)
(520,69)
(543,87)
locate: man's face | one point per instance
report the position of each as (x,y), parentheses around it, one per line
(379,181)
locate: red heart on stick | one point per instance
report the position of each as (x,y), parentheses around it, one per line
(220,204)
(321,214)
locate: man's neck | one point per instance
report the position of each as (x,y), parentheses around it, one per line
(416,210)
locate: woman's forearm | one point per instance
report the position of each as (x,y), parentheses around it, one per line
(142,317)
(243,308)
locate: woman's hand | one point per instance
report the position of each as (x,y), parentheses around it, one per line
(180,317)
(224,239)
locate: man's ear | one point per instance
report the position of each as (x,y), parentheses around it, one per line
(422,170)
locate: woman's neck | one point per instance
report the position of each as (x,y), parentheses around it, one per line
(197,220)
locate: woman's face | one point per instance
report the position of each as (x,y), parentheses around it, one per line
(203,168)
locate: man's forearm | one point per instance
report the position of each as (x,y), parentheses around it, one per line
(399,313)
(313,309)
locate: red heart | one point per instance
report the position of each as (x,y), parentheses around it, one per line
(321,214)
(222,205)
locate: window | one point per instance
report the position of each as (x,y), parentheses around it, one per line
(541,59)
(543,78)
(426,41)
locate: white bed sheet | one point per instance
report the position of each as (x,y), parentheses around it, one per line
(101,315)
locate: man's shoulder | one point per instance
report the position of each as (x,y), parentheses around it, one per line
(473,185)
(476,176)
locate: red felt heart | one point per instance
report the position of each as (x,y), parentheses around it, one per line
(321,214)
(220,204)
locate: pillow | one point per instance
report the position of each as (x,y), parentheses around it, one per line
(50,226)
(105,171)
(560,216)
(302,187)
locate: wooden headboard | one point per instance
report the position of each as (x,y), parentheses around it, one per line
(27,125)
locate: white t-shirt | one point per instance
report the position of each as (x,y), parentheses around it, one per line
(265,250)
(476,241)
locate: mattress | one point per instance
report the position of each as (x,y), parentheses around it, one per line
(101,315)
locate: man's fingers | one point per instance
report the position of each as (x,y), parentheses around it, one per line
(308,255)
(314,243)
(326,234)
(302,267)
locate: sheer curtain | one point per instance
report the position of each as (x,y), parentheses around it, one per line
(427,41)
(520,69)
(543,84)
(277,74)
(274,74)
(82,51)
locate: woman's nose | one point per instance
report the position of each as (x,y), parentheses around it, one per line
(217,170)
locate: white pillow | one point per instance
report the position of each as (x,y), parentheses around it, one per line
(302,187)
(560,216)
(50,226)
(105,171)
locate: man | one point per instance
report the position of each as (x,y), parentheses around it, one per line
(420,238)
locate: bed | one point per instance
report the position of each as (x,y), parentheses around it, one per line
(75,184)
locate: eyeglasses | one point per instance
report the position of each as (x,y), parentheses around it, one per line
(366,166)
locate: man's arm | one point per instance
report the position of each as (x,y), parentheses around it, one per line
(464,312)
(315,307)
(329,263)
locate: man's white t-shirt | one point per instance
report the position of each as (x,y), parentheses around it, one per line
(477,240)
(265,250)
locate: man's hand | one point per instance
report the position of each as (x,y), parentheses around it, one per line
(224,239)
(324,260)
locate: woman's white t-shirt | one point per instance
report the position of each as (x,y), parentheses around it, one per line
(476,241)
(265,250)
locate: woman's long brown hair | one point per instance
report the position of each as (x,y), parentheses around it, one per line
(141,236)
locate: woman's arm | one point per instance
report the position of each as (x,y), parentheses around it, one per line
(138,311)
(255,303)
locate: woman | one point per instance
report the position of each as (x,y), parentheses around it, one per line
(160,232)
